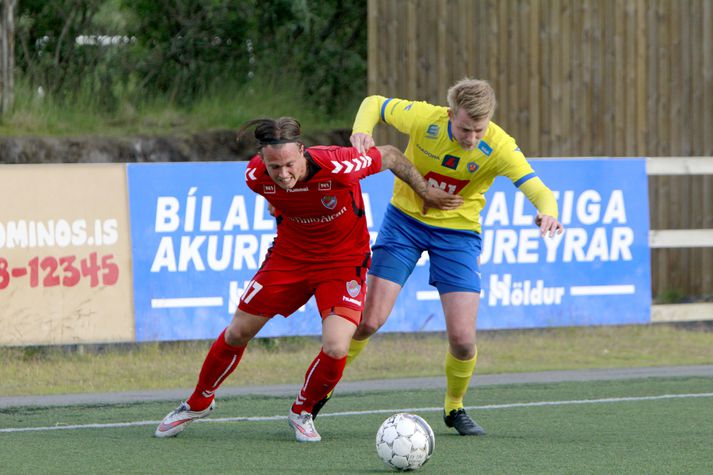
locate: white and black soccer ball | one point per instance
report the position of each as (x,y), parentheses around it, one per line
(405,441)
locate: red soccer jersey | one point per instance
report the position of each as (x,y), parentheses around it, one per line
(322,218)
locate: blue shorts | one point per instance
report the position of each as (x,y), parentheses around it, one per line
(453,253)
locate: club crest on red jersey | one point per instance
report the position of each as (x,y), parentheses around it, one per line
(329,201)
(353,288)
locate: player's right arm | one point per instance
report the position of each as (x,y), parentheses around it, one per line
(399,113)
(366,119)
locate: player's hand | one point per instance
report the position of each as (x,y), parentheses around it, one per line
(362,142)
(438,198)
(548,225)
(270,209)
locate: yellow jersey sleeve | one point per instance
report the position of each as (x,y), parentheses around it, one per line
(540,196)
(515,166)
(401,114)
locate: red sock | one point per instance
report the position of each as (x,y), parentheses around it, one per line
(323,374)
(222,359)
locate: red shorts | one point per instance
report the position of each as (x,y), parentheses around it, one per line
(281,287)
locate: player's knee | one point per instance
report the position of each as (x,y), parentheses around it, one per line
(336,350)
(462,348)
(367,328)
(235,337)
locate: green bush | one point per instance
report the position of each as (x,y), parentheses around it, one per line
(125,53)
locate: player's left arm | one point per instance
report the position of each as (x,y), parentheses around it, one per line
(544,201)
(516,167)
(433,197)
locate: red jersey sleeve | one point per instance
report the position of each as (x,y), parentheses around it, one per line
(255,169)
(345,164)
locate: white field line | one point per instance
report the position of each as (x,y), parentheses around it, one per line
(187,302)
(377,411)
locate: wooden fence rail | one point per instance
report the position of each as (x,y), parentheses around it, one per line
(681,238)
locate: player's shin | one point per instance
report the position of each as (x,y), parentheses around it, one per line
(322,376)
(221,361)
(458,375)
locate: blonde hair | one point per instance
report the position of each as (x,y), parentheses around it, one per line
(476,96)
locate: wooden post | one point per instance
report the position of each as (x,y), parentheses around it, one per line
(7,55)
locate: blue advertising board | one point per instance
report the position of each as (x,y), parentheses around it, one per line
(596,273)
(199,235)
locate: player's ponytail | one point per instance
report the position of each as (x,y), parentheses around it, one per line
(273,131)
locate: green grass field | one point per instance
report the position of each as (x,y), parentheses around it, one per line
(653,425)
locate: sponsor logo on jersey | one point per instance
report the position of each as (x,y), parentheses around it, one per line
(325,218)
(298,190)
(485,148)
(472,167)
(269,189)
(445,183)
(432,131)
(427,153)
(329,201)
(450,161)
(325,185)
(353,288)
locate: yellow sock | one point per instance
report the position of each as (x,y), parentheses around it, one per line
(458,374)
(355,348)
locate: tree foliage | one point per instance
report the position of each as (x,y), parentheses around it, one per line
(120,50)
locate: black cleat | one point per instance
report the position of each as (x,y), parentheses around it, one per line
(462,422)
(320,404)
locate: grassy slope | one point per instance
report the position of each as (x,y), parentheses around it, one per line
(227,108)
(32,371)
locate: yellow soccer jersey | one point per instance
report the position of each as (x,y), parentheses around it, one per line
(442,162)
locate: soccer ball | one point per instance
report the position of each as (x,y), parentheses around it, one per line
(405,441)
